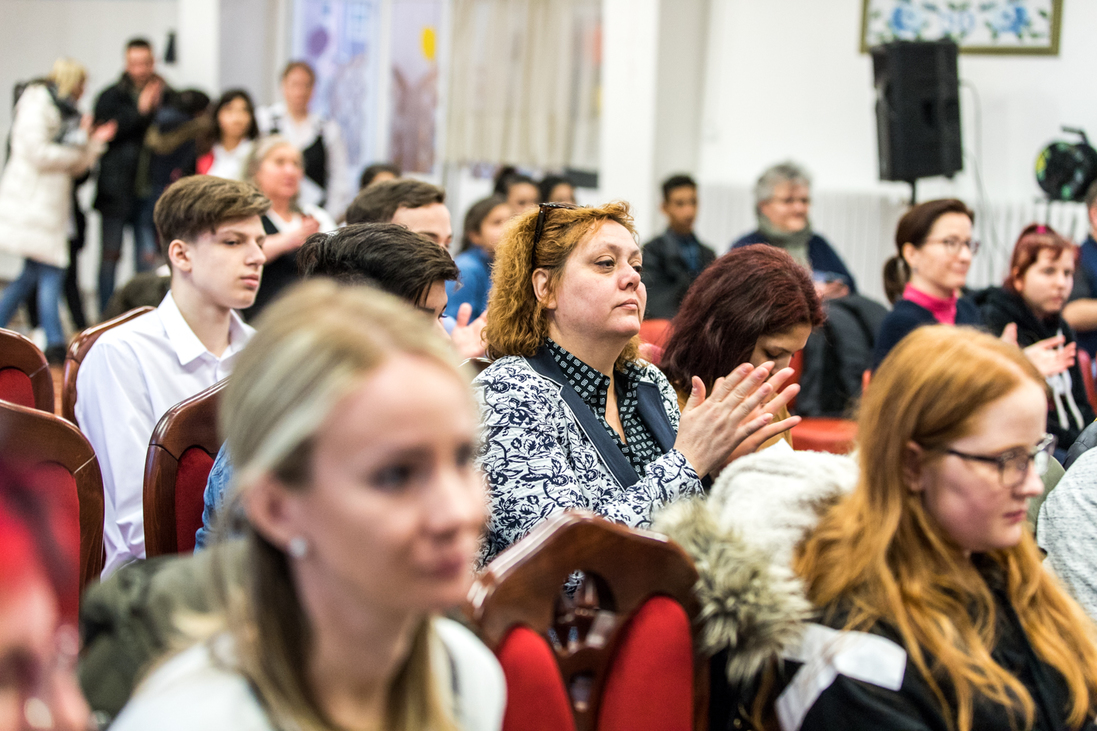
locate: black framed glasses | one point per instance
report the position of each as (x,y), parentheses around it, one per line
(953,245)
(542,213)
(1013,465)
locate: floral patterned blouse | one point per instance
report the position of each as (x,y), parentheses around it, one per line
(539,461)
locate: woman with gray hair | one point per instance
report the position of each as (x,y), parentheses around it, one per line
(277,168)
(782,199)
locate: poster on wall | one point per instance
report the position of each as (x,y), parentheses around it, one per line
(339,39)
(977,26)
(413,129)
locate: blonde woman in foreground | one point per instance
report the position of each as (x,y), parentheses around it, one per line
(934,609)
(352,432)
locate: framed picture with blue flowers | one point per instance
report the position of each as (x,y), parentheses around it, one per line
(977,26)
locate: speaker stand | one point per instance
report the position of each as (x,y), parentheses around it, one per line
(913,191)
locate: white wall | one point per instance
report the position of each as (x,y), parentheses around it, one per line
(785,79)
(683,26)
(627,151)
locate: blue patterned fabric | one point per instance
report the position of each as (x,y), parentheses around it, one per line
(539,462)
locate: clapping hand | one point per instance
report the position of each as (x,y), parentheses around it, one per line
(467,336)
(739,407)
(1051,356)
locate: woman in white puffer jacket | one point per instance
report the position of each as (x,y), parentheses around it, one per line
(50,143)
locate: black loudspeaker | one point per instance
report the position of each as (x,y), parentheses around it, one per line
(917,109)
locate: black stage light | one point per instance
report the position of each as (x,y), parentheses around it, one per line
(1065,170)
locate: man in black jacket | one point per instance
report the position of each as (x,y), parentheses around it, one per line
(131,102)
(673,260)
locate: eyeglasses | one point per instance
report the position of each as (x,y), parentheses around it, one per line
(542,214)
(790,200)
(34,682)
(953,245)
(1013,465)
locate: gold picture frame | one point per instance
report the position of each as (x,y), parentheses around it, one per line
(989,27)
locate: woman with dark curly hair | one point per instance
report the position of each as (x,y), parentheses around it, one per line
(752,305)
(572,417)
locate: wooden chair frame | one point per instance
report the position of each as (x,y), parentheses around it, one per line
(522,586)
(36,437)
(19,352)
(190,423)
(78,350)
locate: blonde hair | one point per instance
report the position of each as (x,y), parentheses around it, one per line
(519,322)
(261,150)
(312,348)
(67,75)
(880,556)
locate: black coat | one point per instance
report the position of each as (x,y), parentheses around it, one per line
(999,308)
(837,355)
(905,317)
(857,705)
(116,194)
(667,276)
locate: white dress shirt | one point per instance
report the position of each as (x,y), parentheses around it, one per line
(301,135)
(131,376)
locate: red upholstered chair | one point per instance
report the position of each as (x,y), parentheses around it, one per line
(655,332)
(25,377)
(1085,365)
(617,655)
(651,352)
(180,457)
(63,462)
(78,350)
(818,433)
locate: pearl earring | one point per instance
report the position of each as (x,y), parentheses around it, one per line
(298,547)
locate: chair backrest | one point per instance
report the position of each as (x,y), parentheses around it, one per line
(64,460)
(78,350)
(180,457)
(616,654)
(655,331)
(25,377)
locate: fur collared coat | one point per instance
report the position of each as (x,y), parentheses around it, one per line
(742,539)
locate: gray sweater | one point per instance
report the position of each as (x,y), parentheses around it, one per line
(1067,530)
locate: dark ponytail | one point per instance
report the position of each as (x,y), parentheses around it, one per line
(896,276)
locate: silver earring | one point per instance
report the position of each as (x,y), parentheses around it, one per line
(298,547)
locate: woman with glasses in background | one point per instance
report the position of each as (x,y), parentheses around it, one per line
(572,417)
(933,609)
(923,280)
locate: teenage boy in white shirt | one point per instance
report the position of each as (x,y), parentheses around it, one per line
(212,237)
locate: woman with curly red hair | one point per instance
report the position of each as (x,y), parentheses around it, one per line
(572,417)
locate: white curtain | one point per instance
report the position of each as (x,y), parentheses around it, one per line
(524,82)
